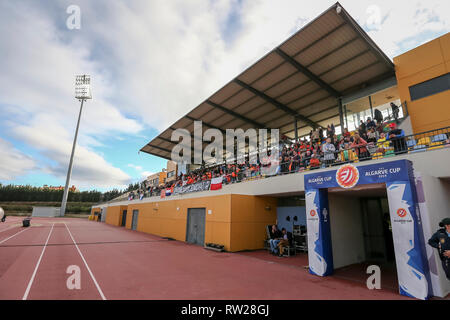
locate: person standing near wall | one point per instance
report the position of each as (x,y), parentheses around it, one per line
(2,215)
(441,241)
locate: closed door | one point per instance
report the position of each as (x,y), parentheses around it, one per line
(124,218)
(134,221)
(373,230)
(195,232)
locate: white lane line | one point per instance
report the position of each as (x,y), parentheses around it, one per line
(25,296)
(13,235)
(85,263)
(9,228)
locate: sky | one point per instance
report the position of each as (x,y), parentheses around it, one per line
(151,62)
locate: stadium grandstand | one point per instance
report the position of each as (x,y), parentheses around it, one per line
(361,175)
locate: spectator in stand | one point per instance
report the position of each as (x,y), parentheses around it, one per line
(359,146)
(371,135)
(382,144)
(314,162)
(362,128)
(275,239)
(347,133)
(328,150)
(397,137)
(370,124)
(395,111)
(315,135)
(378,117)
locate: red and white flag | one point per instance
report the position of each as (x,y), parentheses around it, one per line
(216,183)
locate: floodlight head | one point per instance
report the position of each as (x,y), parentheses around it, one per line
(83,87)
(338,9)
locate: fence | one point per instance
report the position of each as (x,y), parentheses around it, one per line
(372,150)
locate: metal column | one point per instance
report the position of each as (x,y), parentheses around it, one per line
(69,172)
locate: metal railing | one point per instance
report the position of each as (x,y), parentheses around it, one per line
(349,153)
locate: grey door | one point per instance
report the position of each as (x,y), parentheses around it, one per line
(134,221)
(124,218)
(195,229)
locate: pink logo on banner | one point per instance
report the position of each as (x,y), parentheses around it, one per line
(347,176)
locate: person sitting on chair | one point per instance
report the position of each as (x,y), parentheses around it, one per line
(276,238)
(284,242)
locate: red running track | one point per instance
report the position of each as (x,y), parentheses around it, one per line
(116,263)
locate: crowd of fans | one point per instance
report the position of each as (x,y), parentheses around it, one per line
(324,148)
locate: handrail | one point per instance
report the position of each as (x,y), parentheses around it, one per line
(428,140)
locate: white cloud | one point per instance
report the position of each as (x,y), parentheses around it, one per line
(153,61)
(89,168)
(13,163)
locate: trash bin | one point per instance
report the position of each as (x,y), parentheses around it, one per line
(26,223)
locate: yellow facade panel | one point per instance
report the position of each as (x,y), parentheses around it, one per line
(419,59)
(445,45)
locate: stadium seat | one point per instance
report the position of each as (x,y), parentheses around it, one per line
(411,143)
(419,148)
(439,138)
(426,141)
(436,145)
(377,156)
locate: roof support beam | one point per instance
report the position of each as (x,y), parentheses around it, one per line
(276,103)
(235,114)
(308,73)
(205,123)
(159,148)
(372,45)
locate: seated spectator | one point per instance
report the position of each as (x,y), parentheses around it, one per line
(284,242)
(276,238)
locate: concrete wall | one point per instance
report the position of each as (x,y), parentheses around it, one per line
(283,212)
(437,202)
(346,230)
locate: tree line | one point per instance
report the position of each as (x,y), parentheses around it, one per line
(38,194)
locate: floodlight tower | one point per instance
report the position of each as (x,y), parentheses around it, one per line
(82,93)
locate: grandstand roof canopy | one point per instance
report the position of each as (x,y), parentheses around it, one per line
(303,79)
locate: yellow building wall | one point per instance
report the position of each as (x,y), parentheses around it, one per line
(93,212)
(168,218)
(250,215)
(426,62)
(114,215)
(235,221)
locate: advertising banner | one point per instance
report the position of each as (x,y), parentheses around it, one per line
(410,252)
(199,186)
(320,253)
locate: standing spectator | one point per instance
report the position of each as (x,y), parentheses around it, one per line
(378,116)
(382,144)
(328,150)
(359,146)
(395,111)
(397,136)
(370,124)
